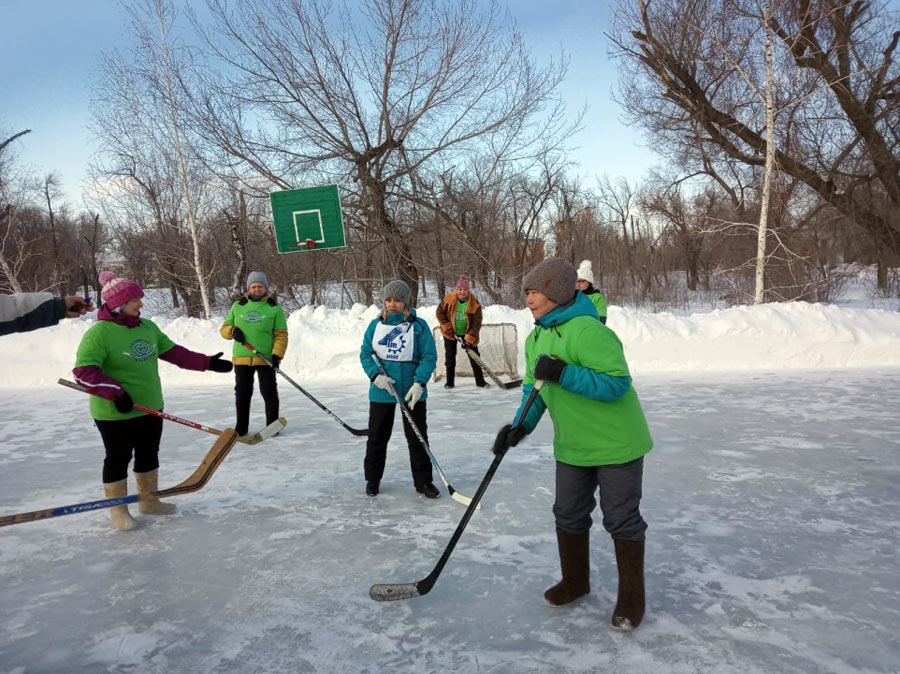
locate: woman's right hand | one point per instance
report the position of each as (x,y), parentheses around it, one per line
(383,381)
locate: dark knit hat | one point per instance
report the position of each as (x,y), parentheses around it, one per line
(398,290)
(554,277)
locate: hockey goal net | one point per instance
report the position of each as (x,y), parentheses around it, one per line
(498,348)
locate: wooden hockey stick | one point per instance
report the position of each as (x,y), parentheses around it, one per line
(213,459)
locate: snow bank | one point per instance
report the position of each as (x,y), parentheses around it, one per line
(324,342)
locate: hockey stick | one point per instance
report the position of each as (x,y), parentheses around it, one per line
(515,383)
(355,431)
(455,495)
(252,439)
(393,591)
(213,459)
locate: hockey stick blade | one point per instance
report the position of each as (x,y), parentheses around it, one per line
(196,481)
(267,432)
(515,383)
(394,591)
(456,496)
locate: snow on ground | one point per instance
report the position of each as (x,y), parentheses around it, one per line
(770,494)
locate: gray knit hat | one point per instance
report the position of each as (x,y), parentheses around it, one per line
(554,277)
(398,290)
(257,277)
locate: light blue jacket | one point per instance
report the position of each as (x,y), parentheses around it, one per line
(404,374)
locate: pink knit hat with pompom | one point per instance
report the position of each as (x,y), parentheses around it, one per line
(463,282)
(117,292)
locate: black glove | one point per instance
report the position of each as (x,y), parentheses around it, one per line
(272,302)
(218,364)
(237,335)
(549,368)
(124,404)
(508,436)
(464,344)
(275,360)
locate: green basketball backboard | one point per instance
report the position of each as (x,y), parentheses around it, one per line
(307,219)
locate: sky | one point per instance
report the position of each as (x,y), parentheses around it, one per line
(51,48)
(770,496)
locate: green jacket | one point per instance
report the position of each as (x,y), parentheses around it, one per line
(599,301)
(597,417)
(263,325)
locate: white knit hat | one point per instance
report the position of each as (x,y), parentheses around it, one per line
(585,273)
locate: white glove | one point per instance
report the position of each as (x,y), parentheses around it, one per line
(383,381)
(413,394)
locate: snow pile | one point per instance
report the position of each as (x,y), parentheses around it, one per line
(324,342)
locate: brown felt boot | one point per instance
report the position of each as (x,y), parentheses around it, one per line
(630,605)
(149,504)
(119,514)
(576,569)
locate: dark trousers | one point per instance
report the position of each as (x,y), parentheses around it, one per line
(450,347)
(140,435)
(243,392)
(620,498)
(381,423)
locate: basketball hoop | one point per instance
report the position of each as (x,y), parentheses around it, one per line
(309,243)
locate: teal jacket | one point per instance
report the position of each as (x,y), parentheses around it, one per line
(597,417)
(404,374)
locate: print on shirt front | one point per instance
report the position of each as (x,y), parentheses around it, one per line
(141,349)
(394,343)
(252,316)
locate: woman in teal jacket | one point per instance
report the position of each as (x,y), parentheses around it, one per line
(404,346)
(600,434)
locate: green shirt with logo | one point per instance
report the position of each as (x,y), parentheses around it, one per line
(258,321)
(460,320)
(128,355)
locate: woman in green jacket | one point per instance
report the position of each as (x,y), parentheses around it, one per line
(256,319)
(600,434)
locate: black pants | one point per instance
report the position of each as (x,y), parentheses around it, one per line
(243,392)
(450,347)
(381,423)
(140,435)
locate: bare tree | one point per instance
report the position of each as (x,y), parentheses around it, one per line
(839,101)
(374,97)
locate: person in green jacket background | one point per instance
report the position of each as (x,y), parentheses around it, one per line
(257,319)
(600,435)
(404,346)
(585,283)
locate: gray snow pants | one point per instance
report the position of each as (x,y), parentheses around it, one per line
(620,498)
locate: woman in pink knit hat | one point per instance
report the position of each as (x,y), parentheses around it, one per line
(117,362)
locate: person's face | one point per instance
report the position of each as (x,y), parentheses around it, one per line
(393,305)
(538,303)
(462,293)
(582,285)
(257,288)
(132,307)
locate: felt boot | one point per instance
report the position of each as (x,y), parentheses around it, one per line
(631,603)
(574,561)
(119,514)
(149,504)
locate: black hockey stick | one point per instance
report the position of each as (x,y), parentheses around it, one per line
(213,459)
(515,383)
(392,591)
(355,431)
(455,495)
